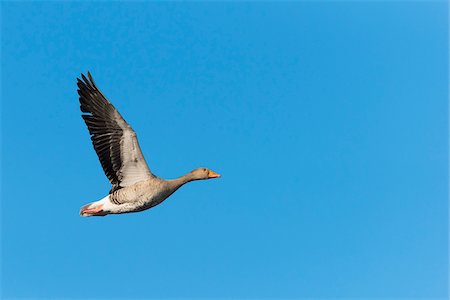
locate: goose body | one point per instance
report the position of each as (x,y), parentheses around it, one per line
(134,187)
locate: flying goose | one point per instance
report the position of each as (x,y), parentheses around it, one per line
(134,187)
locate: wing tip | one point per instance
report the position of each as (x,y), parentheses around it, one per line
(86,80)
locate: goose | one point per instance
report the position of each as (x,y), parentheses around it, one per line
(134,187)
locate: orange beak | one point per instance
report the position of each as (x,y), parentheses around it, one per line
(212,174)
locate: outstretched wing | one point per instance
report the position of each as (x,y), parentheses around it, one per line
(114,140)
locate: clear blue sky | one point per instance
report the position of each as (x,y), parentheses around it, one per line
(327,120)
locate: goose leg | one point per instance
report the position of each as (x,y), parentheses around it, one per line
(90,211)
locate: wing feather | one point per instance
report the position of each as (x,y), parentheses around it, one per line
(114,141)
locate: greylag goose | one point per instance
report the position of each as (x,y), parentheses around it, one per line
(134,187)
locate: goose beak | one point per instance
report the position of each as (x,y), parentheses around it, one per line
(212,174)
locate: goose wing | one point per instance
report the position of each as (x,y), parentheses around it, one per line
(114,140)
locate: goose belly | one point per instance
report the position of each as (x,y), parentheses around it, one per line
(134,201)
(154,200)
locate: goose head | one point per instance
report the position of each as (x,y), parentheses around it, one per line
(203,173)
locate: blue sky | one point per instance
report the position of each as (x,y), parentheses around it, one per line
(327,120)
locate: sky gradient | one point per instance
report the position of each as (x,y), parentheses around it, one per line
(327,120)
